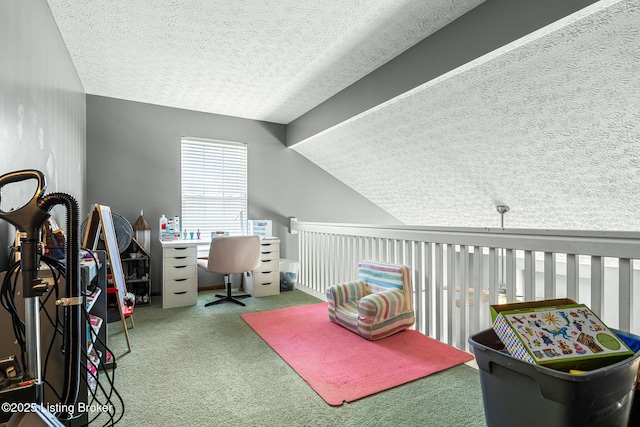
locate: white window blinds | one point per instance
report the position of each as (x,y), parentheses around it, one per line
(214,186)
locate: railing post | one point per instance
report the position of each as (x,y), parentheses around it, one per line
(427,276)
(416,268)
(549,275)
(464,295)
(625,285)
(529,275)
(511,276)
(439,290)
(573,277)
(597,290)
(451,283)
(493,276)
(316,262)
(478,296)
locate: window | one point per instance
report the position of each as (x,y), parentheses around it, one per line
(214,186)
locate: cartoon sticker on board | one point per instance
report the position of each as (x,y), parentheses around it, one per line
(590,342)
(579,349)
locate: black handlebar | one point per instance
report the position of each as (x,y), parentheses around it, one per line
(23,175)
(28,218)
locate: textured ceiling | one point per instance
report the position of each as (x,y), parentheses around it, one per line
(549,125)
(269,60)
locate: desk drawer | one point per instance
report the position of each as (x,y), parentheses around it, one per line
(180,251)
(269,250)
(179,285)
(268,265)
(262,277)
(179,272)
(266,256)
(179,299)
(180,261)
(266,289)
(268,246)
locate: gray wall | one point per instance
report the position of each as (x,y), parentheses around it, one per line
(42,109)
(42,127)
(133,164)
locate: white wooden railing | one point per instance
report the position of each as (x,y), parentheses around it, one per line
(451,267)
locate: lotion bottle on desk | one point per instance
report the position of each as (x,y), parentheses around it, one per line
(163,224)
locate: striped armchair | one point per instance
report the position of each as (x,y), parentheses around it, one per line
(378,304)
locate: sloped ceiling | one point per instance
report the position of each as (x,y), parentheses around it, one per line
(269,60)
(549,125)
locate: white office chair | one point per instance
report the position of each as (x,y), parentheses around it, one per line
(231,255)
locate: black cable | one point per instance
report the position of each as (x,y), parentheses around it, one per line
(111,379)
(110,394)
(72,313)
(7,293)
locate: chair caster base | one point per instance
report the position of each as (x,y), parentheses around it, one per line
(227,298)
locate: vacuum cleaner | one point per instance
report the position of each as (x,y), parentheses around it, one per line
(29,219)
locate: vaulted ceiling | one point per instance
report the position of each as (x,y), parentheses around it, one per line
(269,60)
(548,124)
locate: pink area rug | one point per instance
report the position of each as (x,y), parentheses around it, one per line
(342,366)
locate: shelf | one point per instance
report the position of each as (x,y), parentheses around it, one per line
(137,280)
(97,308)
(96,323)
(141,258)
(137,272)
(92,298)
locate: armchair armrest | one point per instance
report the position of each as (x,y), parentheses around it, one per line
(380,306)
(344,292)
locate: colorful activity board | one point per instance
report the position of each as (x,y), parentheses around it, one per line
(561,337)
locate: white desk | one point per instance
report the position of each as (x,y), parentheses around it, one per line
(179,272)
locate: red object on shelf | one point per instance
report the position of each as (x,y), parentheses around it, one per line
(128,309)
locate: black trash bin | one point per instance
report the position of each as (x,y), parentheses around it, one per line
(518,393)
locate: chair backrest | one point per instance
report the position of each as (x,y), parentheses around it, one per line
(380,276)
(232,255)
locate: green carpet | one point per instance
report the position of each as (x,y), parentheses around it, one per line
(202,366)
